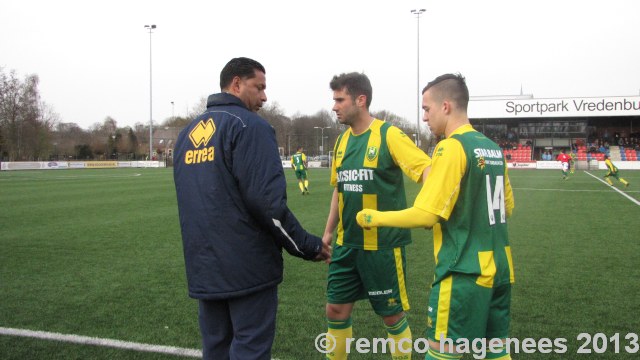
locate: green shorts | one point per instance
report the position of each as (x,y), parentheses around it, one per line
(614,174)
(356,274)
(301,174)
(461,309)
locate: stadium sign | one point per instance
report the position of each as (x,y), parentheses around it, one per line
(480,108)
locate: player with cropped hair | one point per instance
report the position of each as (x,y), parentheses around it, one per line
(466,199)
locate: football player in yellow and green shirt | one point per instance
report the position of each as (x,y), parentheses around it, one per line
(369,160)
(572,162)
(613,171)
(466,198)
(299,164)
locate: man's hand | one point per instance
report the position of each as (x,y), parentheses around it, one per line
(325,253)
(367,218)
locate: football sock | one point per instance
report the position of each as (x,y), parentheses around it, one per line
(306,185)
(434,354)
(624,182)
(501,354)
(400,333)
(340,330)
(609,181)
(301,186)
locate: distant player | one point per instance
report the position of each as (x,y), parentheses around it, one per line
(564,160)
(613,171)
(572,162)
(299,164)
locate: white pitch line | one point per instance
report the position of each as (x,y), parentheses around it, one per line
(567,190)
(86,340)
(614,188)
(69,177)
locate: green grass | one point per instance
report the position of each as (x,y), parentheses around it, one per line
(98,253)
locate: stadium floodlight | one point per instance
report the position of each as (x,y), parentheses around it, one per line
(150,27)
(321,137)
(418,12)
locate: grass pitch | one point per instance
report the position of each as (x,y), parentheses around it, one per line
(98,253)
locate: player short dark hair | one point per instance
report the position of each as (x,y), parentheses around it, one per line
(452,87)
(355,84)
(241,66)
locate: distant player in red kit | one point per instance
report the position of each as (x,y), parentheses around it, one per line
(564,159)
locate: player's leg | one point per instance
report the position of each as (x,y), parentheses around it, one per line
(606,177)
(499,322)
(306,181)
(344,288)
(300,183)
(617,176)
(383,275)
(216,329)
(339,329)
(458,309)
(254,324)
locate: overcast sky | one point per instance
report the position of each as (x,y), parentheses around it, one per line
(92,57)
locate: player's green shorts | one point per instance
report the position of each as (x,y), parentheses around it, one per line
(461,309)
(301,174)
(614,174)
(356,274)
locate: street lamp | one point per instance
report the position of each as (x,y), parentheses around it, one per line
(172,111)
(150,27)
(418,12)
(321,138)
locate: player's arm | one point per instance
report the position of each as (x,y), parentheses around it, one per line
(509,201)
(412,217)
(413,161)
(437,196)
(332,219)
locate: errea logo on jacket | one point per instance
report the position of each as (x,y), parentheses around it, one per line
(200,135)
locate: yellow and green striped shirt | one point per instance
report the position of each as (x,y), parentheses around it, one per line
(367,171)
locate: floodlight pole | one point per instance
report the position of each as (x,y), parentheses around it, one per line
(418,12)
(321,138)
(150,27)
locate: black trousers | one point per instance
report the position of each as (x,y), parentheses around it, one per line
(241,328)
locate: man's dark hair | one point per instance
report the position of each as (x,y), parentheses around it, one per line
(354,83)
(243,67)
(450,86)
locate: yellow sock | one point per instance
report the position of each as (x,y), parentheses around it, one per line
(609,181)
(624,182)
(501,354)
(434,354)
(301,186)
(400,332)
(340,331)
(306,184)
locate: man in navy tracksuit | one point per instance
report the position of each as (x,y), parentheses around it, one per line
(232,201)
